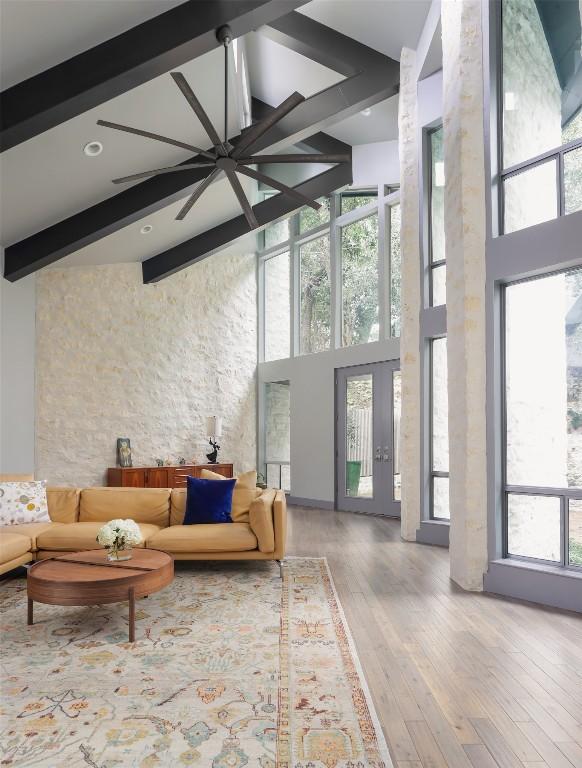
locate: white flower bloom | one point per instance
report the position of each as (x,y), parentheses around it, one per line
(116,531)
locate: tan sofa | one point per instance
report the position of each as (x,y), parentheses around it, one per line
(77,514)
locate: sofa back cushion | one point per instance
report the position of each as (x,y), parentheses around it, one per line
(63,504)
(144,505)
(245,492)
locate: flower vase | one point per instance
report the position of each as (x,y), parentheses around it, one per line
(116,554)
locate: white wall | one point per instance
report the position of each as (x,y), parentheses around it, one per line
(375,164)
(117,358)
(17,375)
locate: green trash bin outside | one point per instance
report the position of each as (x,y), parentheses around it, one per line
(353,472)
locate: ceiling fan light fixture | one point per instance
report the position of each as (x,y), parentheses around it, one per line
(146,229)
(93,148)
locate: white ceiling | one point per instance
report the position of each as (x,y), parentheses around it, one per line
(38,34)
(48,178)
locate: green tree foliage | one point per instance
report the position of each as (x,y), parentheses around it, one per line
(359,254)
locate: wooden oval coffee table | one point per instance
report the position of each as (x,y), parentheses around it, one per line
(88,578)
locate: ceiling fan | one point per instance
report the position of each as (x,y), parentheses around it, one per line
(225,157)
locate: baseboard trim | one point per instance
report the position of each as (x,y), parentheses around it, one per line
(299,501)
(433,532)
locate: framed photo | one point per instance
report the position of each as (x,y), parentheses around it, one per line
(124,452)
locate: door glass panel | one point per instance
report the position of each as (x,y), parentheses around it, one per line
(396,411)
(533,526)
(359,436)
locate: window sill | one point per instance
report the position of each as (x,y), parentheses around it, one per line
(435,532)
(545,584)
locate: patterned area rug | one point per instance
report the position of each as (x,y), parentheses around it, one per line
(232,667)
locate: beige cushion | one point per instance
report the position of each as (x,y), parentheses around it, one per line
(245,492)
(13,545)
(63,504)
(75,536)
(212,537)
(261,520)
(30,530)
(144,505)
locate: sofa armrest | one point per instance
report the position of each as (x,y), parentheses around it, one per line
(261,520)
(280,524)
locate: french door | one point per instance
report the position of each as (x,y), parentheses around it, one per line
(367,438)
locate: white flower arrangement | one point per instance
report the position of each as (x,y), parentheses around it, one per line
(117,534)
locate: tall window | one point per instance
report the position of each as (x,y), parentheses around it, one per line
(360,305)
(395,270)
(315,296)
(543,417)
(277,435)
(277,308)
(439,431)
(540,103)
(438,294)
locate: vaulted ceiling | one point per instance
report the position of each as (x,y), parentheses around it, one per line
(58,206)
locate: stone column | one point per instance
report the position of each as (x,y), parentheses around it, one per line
(465,248)
(410,333)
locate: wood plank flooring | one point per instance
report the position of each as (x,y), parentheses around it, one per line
(459,679)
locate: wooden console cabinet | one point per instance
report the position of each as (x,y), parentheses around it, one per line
(161,477)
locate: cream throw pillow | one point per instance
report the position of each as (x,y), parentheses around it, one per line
(23,502)
(245,492)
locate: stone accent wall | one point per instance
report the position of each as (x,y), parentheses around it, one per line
(116,358)
(410,333)
(465,238)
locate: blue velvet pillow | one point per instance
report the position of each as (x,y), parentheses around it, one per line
(208,501)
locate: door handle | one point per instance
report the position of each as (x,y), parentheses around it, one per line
(378,456)
(386,456)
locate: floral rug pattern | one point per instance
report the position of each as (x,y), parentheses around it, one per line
(231,667)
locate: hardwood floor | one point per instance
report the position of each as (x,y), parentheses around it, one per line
(459,679)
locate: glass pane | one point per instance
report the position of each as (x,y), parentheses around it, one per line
(277,311)
(359,259)
(349,201)
(440,498)
(276,233)
(530,197)
(544,381)
(315,285)
(286,477)
(395,271)
(308,218)
(277,421)
(437,196)
(273,475)
(397,410)
(533,526)
(575,533)
(440,407)
(438,276)
(541,55)
(573,180)
(359,436)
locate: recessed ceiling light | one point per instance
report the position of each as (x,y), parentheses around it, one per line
(93,148)
(146,229)
(366,112)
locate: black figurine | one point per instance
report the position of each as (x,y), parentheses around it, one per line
(212,457)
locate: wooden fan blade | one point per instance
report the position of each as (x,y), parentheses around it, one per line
(156,137)
(256,131)
(258,176)
(204,184)
(159,171)
(242,198)
(257,159)
(182,84)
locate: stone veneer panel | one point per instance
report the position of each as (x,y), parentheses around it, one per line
(410,333)
(116,358)
(465,239)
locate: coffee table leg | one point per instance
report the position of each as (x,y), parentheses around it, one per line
(132,615)
(30,612)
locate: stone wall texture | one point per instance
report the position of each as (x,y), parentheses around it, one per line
(463,123)
(116,358)
(410,332)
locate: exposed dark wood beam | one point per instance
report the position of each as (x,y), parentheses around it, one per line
(216,239)
(132,58)
(376,78)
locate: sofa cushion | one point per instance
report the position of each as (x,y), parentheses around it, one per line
(208,501)
(30,530)
(144,505)
(261,520)
(76,536)
(245,492)
(63,504)
(212,537)
(23,502)
(13,545)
